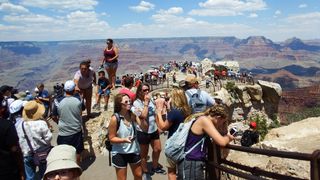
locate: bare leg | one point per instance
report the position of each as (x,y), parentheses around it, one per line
(144,148)
(136,171)
(121,173)
(172,174)
(156,150)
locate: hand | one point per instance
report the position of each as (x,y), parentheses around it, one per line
(127,139)
(160,103)
(147,98)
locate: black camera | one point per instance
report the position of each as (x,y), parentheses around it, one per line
(58,89)
(234,131)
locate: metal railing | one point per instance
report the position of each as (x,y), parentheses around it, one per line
(216,164)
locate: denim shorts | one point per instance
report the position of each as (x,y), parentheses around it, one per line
(113,65)
(105,93)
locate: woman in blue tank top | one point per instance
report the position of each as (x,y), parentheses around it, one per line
(125,148)
(206,125)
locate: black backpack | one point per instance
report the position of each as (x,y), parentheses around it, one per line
(107,140)
(196,103)
(249,138)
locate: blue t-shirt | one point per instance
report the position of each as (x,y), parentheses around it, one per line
(103,82)
(176,117)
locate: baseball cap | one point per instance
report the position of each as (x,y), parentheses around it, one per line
(69,86)
(253,124)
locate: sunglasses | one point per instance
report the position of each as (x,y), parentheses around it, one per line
(145,90)
(127,102)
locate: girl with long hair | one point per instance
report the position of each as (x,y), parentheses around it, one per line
(179,110)
(125,148)
(206,125)
(145,108)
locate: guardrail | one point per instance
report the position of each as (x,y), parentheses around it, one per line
(216,164)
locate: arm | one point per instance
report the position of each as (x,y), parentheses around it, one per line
(145,110)
(142,123)
(163,125)
(76,81)
(210,129)
(113,132)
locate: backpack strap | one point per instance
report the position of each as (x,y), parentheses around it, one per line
(27,138)
(118,117)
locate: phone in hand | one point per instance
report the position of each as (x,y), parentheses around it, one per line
(233,131)
(132,138)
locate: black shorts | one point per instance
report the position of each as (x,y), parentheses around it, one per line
(145,138)
(75,140)
(122,160)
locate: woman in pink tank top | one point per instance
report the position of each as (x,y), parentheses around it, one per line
(110,60)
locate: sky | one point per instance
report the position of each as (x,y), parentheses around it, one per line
(55,20)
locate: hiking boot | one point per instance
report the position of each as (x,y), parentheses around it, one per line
(96,106)
(159,170)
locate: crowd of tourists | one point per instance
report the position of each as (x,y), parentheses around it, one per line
(138,119)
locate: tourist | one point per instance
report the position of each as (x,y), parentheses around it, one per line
(33,133)
(110,60)
(44,97)
(122,135)
(250,136)
(69,120)
(103,87)
(61,164)
(177,113)
(193,90)
(83,80)
(11,163)
(145,109)
(128,84)
(206,125)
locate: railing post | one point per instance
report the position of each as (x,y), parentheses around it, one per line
(214,155)
(315,165)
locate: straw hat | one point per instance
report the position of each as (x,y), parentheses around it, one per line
(33,111)
(62,157)
(192,79)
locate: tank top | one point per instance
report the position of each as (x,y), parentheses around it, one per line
(109,54)
(199,153)
(123,132)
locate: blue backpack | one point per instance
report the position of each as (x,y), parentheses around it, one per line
(175,145)
(195,102)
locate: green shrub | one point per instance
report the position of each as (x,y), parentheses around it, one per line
(304,114)
(230,86)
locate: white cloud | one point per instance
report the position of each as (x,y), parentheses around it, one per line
(62,4)
(303,5)
(27,19)
(277,13)
(228,7)
(308,18)
(12,8)
(142,7)
(253,15)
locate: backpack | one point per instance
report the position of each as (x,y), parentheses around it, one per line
(246,139)
(175,145)
(107,140)
(196,103)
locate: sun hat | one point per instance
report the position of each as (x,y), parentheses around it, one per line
(62,157)
(69,86)
(192,79)
(21,95)
(33,111)
(16,106)
(253,124)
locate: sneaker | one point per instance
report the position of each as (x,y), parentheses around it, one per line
(159,170)
(96,106)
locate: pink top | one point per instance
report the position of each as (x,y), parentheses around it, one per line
(127,91)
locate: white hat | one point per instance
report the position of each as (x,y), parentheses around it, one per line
(69,86)
(36,90)
(62,157)
(16,106)
(10,101)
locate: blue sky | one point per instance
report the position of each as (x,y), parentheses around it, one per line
(47,20)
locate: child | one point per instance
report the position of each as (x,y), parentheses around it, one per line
(104,87)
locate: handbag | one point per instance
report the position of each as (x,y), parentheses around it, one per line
(39,156)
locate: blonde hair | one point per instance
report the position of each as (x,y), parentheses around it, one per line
(215,110)
(179,101)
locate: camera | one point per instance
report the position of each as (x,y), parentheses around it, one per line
(234,131)
(58,90)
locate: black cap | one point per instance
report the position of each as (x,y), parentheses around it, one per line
(5,88)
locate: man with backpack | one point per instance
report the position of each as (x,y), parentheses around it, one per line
(198,99)
(250,136)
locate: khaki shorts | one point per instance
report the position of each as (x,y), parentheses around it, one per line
(170,164)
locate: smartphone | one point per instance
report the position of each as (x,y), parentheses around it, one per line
(133,138)
(233,131)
